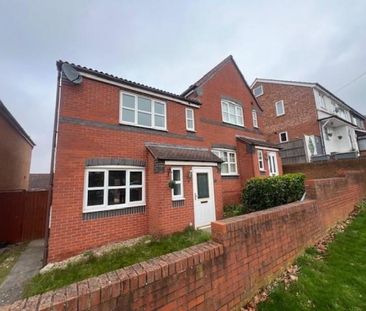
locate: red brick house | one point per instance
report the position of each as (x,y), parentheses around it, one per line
(309,122)
(15,153)
(132,160)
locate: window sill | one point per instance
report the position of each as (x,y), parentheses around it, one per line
(235,125)
(191,131)
(230,176)
(280,115)
(178,199)
(144,127)
(107,209)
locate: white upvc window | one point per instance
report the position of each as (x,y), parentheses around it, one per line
(260,160)
(258,91)
(142,111)
(283,137)
(280,108)
(232,113)
(190,119)
(109,188)
(177,177)
(229,165)
(255,118)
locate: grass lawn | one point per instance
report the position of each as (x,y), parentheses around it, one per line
(335,282)
(8,258)
(116,259)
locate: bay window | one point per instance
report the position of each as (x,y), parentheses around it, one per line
(113,188)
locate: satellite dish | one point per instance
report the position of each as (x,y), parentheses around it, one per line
(71,74)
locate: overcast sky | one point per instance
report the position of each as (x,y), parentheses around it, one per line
(170,44)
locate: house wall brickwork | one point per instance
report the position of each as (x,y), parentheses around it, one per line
(15,158)
(300,111)
(247,252)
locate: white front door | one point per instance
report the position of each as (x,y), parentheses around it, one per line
(203,196)
(272,164)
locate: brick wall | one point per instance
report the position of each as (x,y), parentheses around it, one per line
(300,111)
(15,158)
(246,253)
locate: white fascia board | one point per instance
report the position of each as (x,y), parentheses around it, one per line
(266,148)
(191,163)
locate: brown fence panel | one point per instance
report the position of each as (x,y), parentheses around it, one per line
(22,215)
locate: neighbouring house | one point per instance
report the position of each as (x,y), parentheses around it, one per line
(133,160)
(39,181)
(309,122)
(15,153)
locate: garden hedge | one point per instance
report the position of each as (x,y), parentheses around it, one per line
(262,193)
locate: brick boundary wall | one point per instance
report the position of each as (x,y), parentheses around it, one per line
(246,253)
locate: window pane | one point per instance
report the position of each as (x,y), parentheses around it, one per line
(135,194)
(128,115)
(128,101)
(224,156)
(224,107)
(176,175)
(144,119)
(232,109)
(117,178)
(202,185)
(226,117)
(232,118)
(96,179)
(279,106)
(177,190)
(144,104)
(136,178)
(189,114)
(190,124)
(95,197)
(232,157)
(224,168)
(159,121)
(232,168)
(116,196)
(159,108)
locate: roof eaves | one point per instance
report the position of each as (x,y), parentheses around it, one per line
(114,78)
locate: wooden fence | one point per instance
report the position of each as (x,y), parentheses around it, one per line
(22,215)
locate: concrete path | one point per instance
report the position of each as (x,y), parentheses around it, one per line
(28,264)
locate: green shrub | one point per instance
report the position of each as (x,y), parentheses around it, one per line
(263,193)
(233,210)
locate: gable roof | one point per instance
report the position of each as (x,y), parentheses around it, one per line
(306,84)
(181,153)
(213,71)
(113,78)
(14,123)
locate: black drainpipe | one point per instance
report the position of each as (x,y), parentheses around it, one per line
(50,190)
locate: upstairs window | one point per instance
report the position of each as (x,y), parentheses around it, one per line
(255,118)
(260,160)
(142,111)
(189,119)
(229,166)
(232,113)
(283,137)
(177,177)
(280,108)
(114,188)
(258,91)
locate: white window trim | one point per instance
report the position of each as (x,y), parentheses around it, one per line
(237,108)
(281,102)
(261,92)
(105,206)
(190,119)
(181,182)
(220,151)
(152,113)
(262,167)
(255,118)
(283,141)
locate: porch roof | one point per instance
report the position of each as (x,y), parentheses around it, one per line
(256,142)
(181,153)
(339,121)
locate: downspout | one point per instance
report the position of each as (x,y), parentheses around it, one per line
(53,152)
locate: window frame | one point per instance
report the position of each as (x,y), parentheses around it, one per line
(219,152)
(283,107)
(237,107)
(193,129)
(136,111)
(181,183)
(283,141)
(261,165)
(258,87)
(255,118)
(106,188)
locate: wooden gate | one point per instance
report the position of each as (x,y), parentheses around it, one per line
(22,215)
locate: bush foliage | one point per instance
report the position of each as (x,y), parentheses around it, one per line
(233,210)
(263,193)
